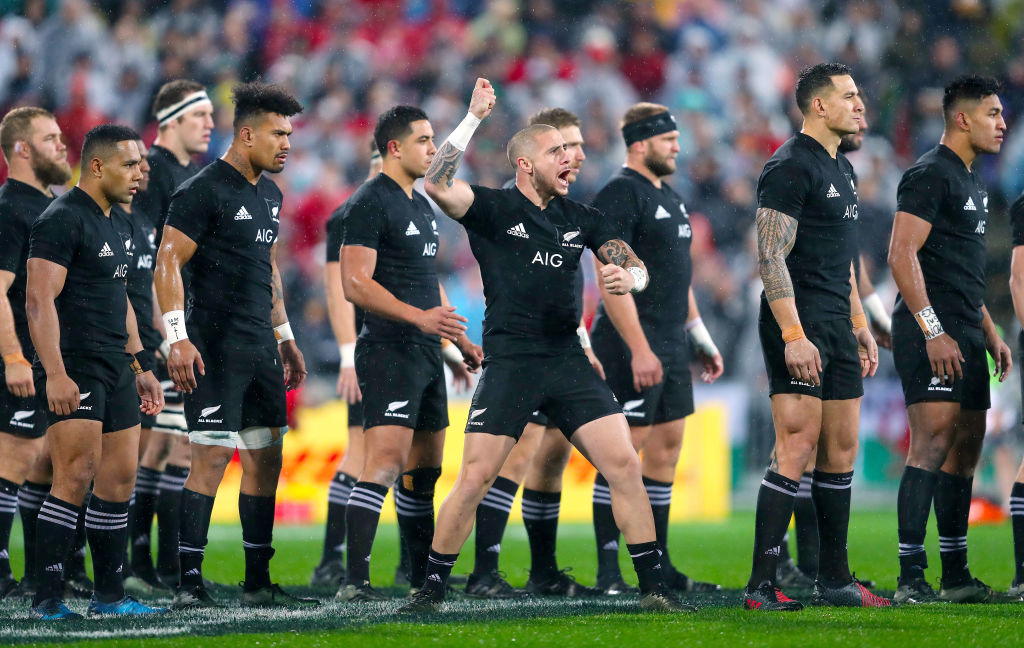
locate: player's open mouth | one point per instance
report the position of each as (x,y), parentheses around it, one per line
(563,177)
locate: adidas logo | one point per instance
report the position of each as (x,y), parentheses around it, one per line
(411,230)
(243,214)
(832,193)
(59,567)
(611,546)
(106,251)
(662,213)
(519,231)
(495,548)
(4,555)
(434,577)
(970,205)
(192,572)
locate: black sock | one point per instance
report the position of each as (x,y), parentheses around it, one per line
(30,498)
(196,509)
(168,518)
(8,507)
(337,503)
(1017,518)
(146,488)
(774,509)
(660,495)
(106,524)
(126,558)
(257,517)
(805,518)
(952,508)
(647,563)
(75,563)
(439,568)
(832,503)
(784,548)
(416,525)
(55,533)
(913,504)
(491,519)
(606,532)
(361,520)
(540,517)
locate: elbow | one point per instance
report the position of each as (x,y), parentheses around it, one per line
(433,190)
(352,287)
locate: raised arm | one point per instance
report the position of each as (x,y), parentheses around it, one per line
(17,369)
(176,248)
(45,282)
(909,234)
(291,357)
(455,197)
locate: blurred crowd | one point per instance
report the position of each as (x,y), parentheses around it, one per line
(725,68)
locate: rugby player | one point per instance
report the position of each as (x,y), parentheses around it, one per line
(1017,293)
(85,336)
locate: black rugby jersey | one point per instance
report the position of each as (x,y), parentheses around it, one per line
(165,175)
(403,231)
(234,224)
(804,182)
(1017,220)
(20,206)
(136,228)
(335,238)
(75,233)
(654,222)
(941,190)
(528,259)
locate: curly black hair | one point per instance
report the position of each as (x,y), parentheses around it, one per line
(257,98)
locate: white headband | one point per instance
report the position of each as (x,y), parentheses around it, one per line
(172,112)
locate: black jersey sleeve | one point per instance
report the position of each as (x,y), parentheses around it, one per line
(193,210)
(617,202)
(55,237)
(784,187)
(13,233)
(1017,220)
(482,213)
(921,192)
(598,229)
(335,237)
(365,224)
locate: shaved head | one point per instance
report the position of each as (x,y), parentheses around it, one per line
(524,143)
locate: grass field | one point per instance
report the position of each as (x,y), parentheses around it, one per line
(718,552)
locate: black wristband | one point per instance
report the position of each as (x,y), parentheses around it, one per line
(145,360)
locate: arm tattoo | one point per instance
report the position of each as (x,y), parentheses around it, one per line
(617,252)
(278,315)
(444,166)
(776,234)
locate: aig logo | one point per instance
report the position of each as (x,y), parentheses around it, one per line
(547,259)
(121,271)
(430,249)
(265,236)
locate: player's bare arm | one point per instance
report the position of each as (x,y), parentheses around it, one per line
(776,235)
(879,318)
(175,251)
(455,197)
(708,354)
(997,348)
(45,281)
(150,391)
(867,348)
(357,267)
(469,356)
(623,272)
(17,369)
(342,316)
(909,234)
(291,357)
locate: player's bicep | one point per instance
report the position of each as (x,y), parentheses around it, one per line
(454,200)
(176,247)
(617,252)
(909,233)
(776,233)
(6,281)
(45,279)
(357,266)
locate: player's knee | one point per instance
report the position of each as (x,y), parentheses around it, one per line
(79,471)
(421,481)
(622,469)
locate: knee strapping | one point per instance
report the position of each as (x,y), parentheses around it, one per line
(421,480)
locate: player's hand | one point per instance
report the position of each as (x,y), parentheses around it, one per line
(647,370)
(595,363)
(711,366)
(461,378)
(442,321)
(882,337)
(472,354)
(945,357)
(616,279)
(62,395)
(348,385)
(803,361)
(294,364)
(19,379)
(1000,352)
(150,392)
(867,349)
(482,102)
(183,357)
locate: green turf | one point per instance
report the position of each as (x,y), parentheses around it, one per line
(718,552)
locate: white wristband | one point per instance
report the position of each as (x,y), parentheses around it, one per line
(452,353)
(875,309)
(701,338)
(348,355)
(463,132)
(165,349)
(584,337)
(639,278)
(284,333)
(174,326)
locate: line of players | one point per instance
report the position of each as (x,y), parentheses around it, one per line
(387,270)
